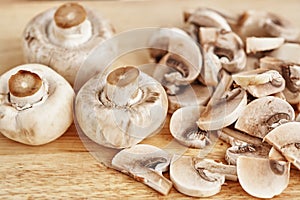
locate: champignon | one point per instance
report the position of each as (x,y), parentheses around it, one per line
(174,49)
(122,109)
(63,37)
(264,114)
(256,44)
(224,106)
(184,129)
(226,45)
(194,182)
(286,139)
(145,163)
(266,24)
(260,82)
(276,155)
(288,52)
(35,104)
(261,177)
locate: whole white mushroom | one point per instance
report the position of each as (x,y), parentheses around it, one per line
(35,104)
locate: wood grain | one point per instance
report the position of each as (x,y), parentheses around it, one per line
(64,169)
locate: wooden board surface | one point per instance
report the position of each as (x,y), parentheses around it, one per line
(64,169)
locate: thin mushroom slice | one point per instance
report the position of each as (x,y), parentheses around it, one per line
(249,150)
(122,109)
(276,155)
(257,44)
(261,177)
(191,95)
(260,82)
(288,52)
(205,17)
(286,139)
(31,98)
(175,49)
(264,114)
(216,167)
(145,163)
(184,129)
(224,111)
(291,74)
(192,182)
(265,24)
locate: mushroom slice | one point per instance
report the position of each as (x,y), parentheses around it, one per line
(216,167)
(286,139)
(276,155)
(240,136)
(245,149)
(176,50)
(261,177)
(291,74)
(265,24)
(145,163)
(288,52)
(184,129)
(264,114)
(224,111)
(194,182)
(260,82)
(208,18)
(270,63)
(190,95)
(256,44)
(31,98)
(63,37)
(122,109)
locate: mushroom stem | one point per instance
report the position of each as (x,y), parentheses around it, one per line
(122,87)
(25,89)
(70,25)
(214,167)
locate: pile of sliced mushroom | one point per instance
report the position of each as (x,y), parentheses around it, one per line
(253,79)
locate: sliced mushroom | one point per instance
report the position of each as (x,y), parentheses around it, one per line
(206,17)
(32,96)
(291,74)
(226,45)
(145,163)
(242,137)
(190,95)
(265,24)
(260,82)
(264,114)
(286,139)
(256,44)
(270,63)
(261,177)
(175,49)
(63,37)
(184,129)
(276,155)
(288,52)
(249,150)
(223,110)
(194,182)
(212,166)
(122,109)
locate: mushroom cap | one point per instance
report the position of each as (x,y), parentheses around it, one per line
(184,129)
(121,126)
(38,48)
(262,114)
(225,111)
(261,177)
(286,139)
(145,163)
(187,180)
(40,123)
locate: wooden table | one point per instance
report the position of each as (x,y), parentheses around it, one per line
(64,169)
